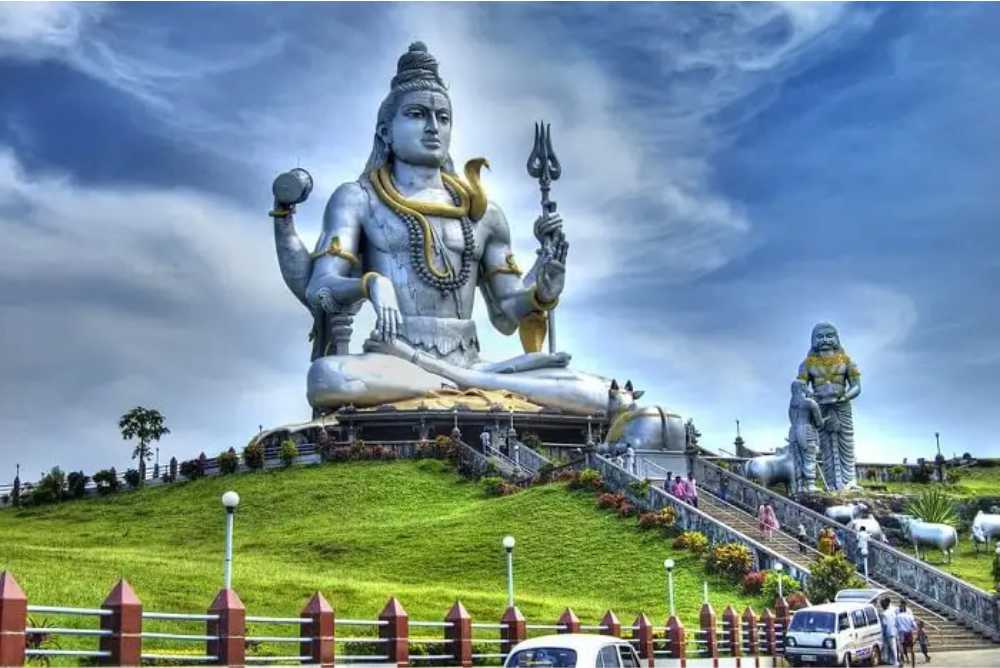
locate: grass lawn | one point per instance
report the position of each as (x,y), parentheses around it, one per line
(966,564)
(975,481)
(359,532)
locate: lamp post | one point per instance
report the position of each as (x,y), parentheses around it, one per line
(778,567)
(668,564)
(229,500)
(508,544)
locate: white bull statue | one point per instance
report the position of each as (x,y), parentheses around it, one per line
(769,469)
(846,512)
(871,526)
(984,527)
(929,534)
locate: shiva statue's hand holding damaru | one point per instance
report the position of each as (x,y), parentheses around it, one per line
(292,187)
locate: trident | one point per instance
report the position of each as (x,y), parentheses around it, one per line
(544,166)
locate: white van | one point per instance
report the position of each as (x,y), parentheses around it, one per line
(835,634)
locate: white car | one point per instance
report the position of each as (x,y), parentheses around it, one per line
(573,650)
(834,634)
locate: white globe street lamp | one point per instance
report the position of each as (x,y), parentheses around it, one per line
(508,544)
(668,564)
(778,568)
(229,500)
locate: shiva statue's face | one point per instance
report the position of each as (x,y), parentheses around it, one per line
(826,339)
(420,131)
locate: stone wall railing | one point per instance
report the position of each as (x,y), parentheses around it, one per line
(529,458)
(690,518)
(977,609)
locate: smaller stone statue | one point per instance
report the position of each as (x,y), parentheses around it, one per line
(836,381)
(805,420)
(485,440)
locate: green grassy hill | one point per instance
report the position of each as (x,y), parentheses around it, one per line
(359,532)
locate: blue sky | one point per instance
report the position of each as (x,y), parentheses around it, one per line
(733,174)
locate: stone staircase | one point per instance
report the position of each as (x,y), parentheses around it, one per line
(943,633)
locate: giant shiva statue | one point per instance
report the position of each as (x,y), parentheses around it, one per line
(415,240)
(835,381)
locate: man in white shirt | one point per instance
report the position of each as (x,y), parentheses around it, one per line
(863,539)
(906,625)
(890,634)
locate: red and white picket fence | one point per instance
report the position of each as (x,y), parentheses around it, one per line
(222,635)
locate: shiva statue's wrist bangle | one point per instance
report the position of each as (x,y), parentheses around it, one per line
(364,283)
(539,304)
(278,212)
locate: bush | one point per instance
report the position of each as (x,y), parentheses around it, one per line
(253,456)
(107,481)
(76,484)
(733,560)
(897,472)
(609,501)
(933,505)
(639,488)
(133,478)
(192,469)
(289,451)
(545,472)
(921,474)
(954,477)
(753,582)
(789,585)
(797,601)
(996,571)
(830,574)
(694,541)
(497,486)
(51,488)
(663,519)
(228,461)
(588,479)
(627,509)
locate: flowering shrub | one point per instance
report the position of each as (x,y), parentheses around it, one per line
(609,501)
(797,601)
(695,541)
(662,519)
(497,486)
(589,479)
(627,509)
(732,559)
(753,582)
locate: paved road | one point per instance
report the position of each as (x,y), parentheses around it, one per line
(980,658)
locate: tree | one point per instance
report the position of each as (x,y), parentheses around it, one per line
(145,425)
(829,575)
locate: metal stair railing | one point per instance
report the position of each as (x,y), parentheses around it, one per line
(930,586)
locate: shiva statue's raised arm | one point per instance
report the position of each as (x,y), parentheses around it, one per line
(335,280)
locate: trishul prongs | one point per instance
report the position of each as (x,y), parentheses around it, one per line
(544,165)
